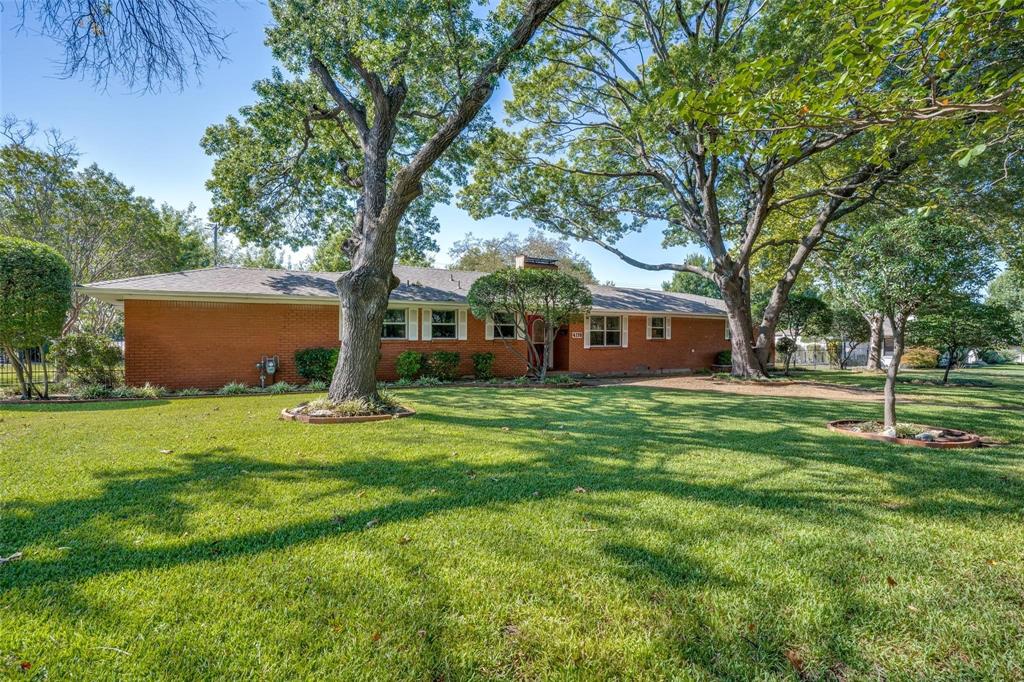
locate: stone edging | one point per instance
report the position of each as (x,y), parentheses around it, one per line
(310,419)
(970,440)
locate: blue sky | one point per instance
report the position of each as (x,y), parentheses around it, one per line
(151,141)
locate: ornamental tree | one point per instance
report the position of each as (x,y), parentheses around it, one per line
(35,294)
(958,324)
(738,126)
(1007,290)
(370,123)
(527,296)
(904,266)
(846,331)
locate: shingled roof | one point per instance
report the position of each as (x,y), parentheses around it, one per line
(418,285)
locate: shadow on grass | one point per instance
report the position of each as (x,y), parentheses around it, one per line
(99,406)
(580,440)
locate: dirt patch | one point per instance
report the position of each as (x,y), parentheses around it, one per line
(787,389)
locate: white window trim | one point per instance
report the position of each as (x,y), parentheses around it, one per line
(650,327)
(489,334)
(408,328)
(623,331)
(461,324)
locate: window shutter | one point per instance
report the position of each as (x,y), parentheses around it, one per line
(649,318)
(426,324)
(586,331)
(668,327)
(463,325)
(625,331)
(489,328)
(412,323)
(520,326)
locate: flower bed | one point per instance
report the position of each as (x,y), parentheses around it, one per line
(907,434)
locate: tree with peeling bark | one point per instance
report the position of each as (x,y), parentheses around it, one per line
(716,121)
(907,265)
(374,121)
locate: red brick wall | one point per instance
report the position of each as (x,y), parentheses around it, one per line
(179,344)
(694,344)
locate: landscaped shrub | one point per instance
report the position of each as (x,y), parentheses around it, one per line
(444,365)
(145,391)
(281,387)
(920,358)
(317,385)
(88,359)
(316,364)
(187,392)
(233,388)
(996,357)
(483,366)
(409,364)
(427,381)
(724,357)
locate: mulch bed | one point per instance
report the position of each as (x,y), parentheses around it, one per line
(943,438)
(288,415)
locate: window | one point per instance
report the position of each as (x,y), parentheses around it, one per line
(394,324)
(658,328)
(444,324)
(504,325)
(605,331)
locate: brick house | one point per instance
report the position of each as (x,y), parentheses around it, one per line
(205,328)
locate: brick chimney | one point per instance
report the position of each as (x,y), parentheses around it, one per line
(523,261)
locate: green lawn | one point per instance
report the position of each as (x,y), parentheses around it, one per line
(606,533)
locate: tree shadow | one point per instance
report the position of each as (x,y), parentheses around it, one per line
(99,406)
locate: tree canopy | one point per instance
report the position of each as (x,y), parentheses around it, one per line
(1007,290)
(35,294)
(722,126)
(957,324)
(489,255)
(692,283)
(526,295)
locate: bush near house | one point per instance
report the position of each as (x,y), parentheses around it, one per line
(443,365)
(316,364)
(88,359)
(409,364)
(920,358)
(483,366)
(724,357)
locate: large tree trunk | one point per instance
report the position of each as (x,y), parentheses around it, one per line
(899,327)
(745,360)
(875,321)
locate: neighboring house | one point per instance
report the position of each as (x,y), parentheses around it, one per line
(205,328)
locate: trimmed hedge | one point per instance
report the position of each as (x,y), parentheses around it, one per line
(483,366)
(444,365)
(409,364)
(316,364)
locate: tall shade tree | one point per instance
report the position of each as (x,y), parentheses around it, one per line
(373,121)
(716,122)
(490,255)
(35,293)
(102,228)
(906,265)
(957,325)
(527,296)
(1007,290)
(143,43)
(692,283)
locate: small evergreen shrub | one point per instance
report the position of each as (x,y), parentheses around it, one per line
(233,388)
(920,358)
(724,357)
(90,392)
(483,366)
(443,365)
(409,364)
(316,364)
(88,359)
(281,387)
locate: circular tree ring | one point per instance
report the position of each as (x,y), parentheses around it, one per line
(288,415)
(951,438)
